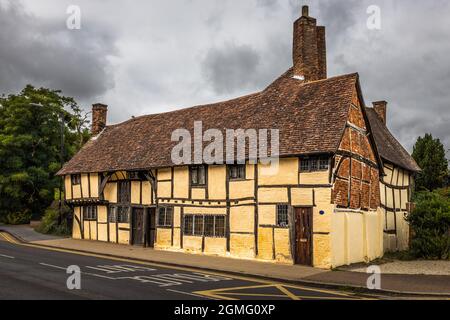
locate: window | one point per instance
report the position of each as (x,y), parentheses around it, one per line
(119,214)
(314,164)
(134,175)
(210,226)
(123,191)
(282,215)
(76,179)
(90,213)
(237,172)
(165,217)
(198,176)
(188,225)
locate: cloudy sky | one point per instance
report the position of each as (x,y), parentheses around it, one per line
(149,56)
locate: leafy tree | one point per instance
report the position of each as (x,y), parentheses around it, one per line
(429,154)
(31,123)
(430,224)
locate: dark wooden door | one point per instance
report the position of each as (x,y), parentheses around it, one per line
(151,227)
(138,226)
(303,236)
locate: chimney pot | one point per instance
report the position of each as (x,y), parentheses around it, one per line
(99,115)
(305,11)
(381,109)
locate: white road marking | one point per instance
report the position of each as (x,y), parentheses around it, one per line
(5,256)
(191,294)
(52,266)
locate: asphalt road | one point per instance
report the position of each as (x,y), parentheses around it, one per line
(32,272)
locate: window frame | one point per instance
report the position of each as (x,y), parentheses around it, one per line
(168,217)
(90,213)
(117,212)
(201,220)
(121,192)
(241,169)
(315,164)
(285,222)
(75,179)
(191,176)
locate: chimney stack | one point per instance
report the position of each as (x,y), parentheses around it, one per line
(309,50)
(99,113)
(381,109)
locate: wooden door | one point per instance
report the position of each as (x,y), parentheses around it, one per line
(137,226)
(151,227)
(303,236)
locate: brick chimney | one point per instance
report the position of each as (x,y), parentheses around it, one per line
(309,50)
(381,109)
(99,113)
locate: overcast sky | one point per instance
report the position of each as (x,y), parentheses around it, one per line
(142,57)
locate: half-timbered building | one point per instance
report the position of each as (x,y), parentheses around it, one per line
(339,194)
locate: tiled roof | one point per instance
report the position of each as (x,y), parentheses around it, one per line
(388,147)
(311,118)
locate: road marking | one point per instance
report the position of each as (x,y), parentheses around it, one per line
(8,238)
(5,256)
(191,269)
(190,294)
(287,293)
(52,266)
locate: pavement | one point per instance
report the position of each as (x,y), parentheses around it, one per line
(391,284)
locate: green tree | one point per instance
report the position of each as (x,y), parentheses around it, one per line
(429,154)
(430,224)
(31,123)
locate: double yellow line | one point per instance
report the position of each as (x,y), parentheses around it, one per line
(7,237)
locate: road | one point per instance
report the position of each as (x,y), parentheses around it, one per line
(32,272)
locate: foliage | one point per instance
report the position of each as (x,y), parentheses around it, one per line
(430,223)
(429,154)
(49,224)
(31,124)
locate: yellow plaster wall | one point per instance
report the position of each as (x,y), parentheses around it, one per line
(242,245)
(124,235)
(85,185)
(94,185)
(146,193)
(322,251)
(135,192)
(103,232)
(273,195)
(204,210)
(267,214)
(176,217)
(76,227)
(192,244)
(102,214)
(322,223)
(217,182)
(198,193)
(242,189)
(164,189)
(181,183)
(282,246)
(68,187)
(163,238)
(265,243)
(287,173)
(177,238)
(302,196)
(242,219)
(164,174)
(76,192)
(356,237)
(112,233)
(250,171)
(110,192)
(216,246)
(311,178)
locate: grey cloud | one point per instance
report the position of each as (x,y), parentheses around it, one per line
(45,53)
(231,68)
